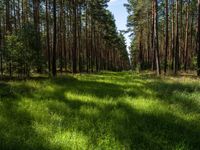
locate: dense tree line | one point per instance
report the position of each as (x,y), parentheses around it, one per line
(165,34)
(47,36)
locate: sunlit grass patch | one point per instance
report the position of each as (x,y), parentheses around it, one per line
(69,140)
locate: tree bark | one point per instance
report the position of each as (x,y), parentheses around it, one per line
(198,49)
(176,57)
(166,37)
(156,44)
(1,52)
(186,38)
(54,40)
(48,38)
(173,37)
(74,51)
(152,38)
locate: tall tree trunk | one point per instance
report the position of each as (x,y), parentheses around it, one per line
(176,57)
(48,38)
(173,36)
(152,37)
(148,40)
(191,40)
(65,46)
(1,51)
(166,37)
(91,44)
(54,40)
(186,38)
(181,37)
(198,49)
(156,44)
(86,38)
(61,46)
(140,50)
(74,51)
(79,39)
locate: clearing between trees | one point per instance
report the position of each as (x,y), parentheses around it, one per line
(100,111)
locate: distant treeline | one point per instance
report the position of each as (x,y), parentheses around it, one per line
(166,34)
(47,36)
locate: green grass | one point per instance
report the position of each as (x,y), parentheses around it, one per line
(102,111)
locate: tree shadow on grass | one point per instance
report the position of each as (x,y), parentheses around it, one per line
(16,130)
(177,93)
(130,128)
(94,88)
(13,91)
(134,130)
(15,78)
(106,126)
(150,86)
(16,125)
(157,131)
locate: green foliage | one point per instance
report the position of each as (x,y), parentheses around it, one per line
(97,37)
(21,50)
(33,55)
(101,111)
(14,50)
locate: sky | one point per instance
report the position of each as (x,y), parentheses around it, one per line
(120,14)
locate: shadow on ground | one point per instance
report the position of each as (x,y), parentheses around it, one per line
(107,122)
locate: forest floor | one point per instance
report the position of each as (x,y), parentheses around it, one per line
(101,111)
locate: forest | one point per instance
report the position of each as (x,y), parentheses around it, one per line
(65,36)
(75,76)
(166,35)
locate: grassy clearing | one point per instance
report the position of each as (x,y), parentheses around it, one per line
(103,111)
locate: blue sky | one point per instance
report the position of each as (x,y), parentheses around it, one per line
(120,13)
